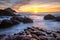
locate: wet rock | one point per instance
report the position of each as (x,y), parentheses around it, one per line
(2,35)
(8,23)
(14,21)
(48,32)
(10,10)
(22,37)
(34,36)
(49,35)
(29,35)
(21,33)
(8,39)
(57,18)
(20,19)
(33,29)
(26,38)
(57,38)
(7,12)
(54,35)
(30,30)
(58,31)
(33,39)
(27,20)
(15,34)
(17,38)
(42,38)
(38,33)
(51,38)
(27,32)
(5,23)
(49,17)
(0,21)
(43,30)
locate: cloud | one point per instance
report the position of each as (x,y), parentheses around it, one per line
(15,1)
(12,3)
(46,1)
(4,4)
(18,3)
(50,5)
(50,0)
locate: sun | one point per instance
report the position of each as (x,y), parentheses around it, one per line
(31,8)
(34,9)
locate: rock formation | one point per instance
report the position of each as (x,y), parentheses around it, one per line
(49,17)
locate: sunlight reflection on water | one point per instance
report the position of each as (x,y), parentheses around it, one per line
(46,24)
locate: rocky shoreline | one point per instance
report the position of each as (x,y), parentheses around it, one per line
(30,33)
(14,20)
(33,33)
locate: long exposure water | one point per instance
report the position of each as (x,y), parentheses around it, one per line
(38,22)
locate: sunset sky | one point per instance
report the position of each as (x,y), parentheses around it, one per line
(31,5)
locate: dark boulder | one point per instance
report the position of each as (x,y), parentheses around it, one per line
(7,12)
(54,35)
(57,38)
(38,33)
(48,32)
(5,23)
(8,23)
(35,36)
(27,20)
(57,18)
(22,37)
(49,17)
(2,35)
(14,22)
(20,19)
(58,31)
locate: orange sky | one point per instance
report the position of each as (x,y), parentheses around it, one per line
(32,5)
(37,8)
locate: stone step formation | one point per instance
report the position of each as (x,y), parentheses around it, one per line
(33,33)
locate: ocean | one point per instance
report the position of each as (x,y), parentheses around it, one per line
(38,22)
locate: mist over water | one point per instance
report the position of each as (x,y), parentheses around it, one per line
(38,22)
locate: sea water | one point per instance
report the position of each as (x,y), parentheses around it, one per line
(38,22)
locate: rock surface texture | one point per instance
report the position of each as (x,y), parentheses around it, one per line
(33,33)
